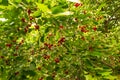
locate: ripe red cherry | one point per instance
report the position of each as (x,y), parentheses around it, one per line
(40,78)
(15,54)
(29,11)
(84,11)
(26,29)
(16,73)
(57,60)
(17,47)
(13,40)
(77,4)
(94,28)
(83,38)
(45,44)
(22,41)
(61,27)
(9,45)
(76,19)
(42,48)
(50,46)
(46,56)
(90,48)
(66,71)
(92,38)
(36,27)
(1,57)
(31,18)
(61,40)
(39,68)
(28,60)
(23,19)
(53,74)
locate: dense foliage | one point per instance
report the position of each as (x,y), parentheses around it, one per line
(60,40)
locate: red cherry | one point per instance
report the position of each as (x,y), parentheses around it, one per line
(39,68)
(92,38)
(40,78)
(84,11)
(83,29)
(94,28)
(17,47)
(61,27)
(23,19)
(57,60)
(45,44)
(14,41)
(46,56)
(83,38)
(7,62)
(100,17)
(31,18)
(16,73)
(90,48)
(53,74)
(42,48)
(50,46)
(66,72)
(36,27)
(76,19)
(77,4)
(32,52)
(9,45)
(22,41)
(26,29)
(29,11)
(14,54)
(28,60)
(1,57)
(61,40)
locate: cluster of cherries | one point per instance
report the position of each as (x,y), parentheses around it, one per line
(30,18)
(83,29)
(49,46)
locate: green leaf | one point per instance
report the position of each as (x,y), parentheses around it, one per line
(57,35)
(31,72)
(101,6)
(4,2)
(88,63)
(57,9)
(28,1)
(47,30)
(19,58)
(43,8)
(49,78)
(32,65)
(2,7)
(37,13)
(18,1)
(95,22)
(42,38)
(0,1)
(64,13)
(99,54)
